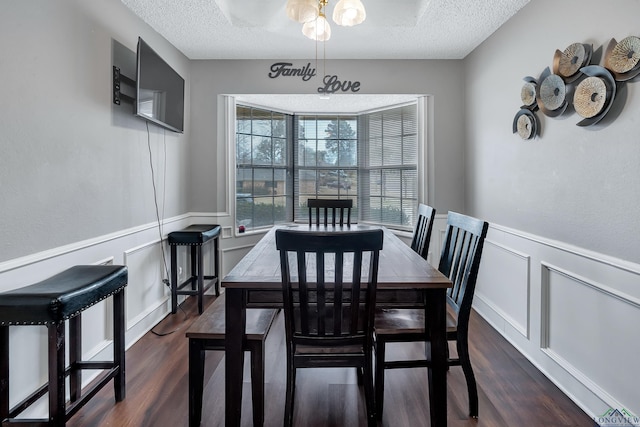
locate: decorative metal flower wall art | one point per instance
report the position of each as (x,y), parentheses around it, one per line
(528,93)
(551,94)
(594,95)
(623,59)
(592,88)
(525,124)
(567,64)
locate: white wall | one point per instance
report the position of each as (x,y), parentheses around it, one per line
(560,276)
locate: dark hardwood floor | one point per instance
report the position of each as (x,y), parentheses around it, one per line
(511,391)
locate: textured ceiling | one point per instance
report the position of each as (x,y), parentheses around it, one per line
(260,29)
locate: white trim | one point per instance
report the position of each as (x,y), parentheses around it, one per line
(430,156)
(607,290)
(423,127)
(571,249)
(599,287)
(524,330)
(230,137)
(229,132)
(84,244)
(583,379)
(132,323)
(208,214)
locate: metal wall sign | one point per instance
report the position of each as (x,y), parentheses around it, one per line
(330,83)
(286,69)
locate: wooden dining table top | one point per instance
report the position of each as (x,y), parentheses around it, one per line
(399,268)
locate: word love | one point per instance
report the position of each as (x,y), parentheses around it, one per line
(286,69)
(333,85)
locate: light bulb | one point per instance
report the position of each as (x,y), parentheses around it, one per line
(349,12)
(302,10)
(317,29)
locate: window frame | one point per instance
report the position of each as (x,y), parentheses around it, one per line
(256,167)
(424,117)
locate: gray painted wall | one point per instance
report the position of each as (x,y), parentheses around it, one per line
(575,185)
(443,80)
(73,165)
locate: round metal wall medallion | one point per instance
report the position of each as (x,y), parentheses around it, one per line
(572,59)
(552,92)
(625,55)
(590,96)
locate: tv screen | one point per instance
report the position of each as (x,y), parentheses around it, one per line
(159,90)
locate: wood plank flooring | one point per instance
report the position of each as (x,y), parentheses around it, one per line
(512,392)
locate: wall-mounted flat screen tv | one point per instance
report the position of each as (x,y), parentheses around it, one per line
(159,90)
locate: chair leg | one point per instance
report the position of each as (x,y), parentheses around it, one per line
(194,266)
(472,388)
(56,357)
(216,265)
(257,383)
(290,394)
(379,377)
(174,279)
(448,356)
(75,355)
(4,372)
(196,381)
(200,285)
(369,391)
(119,381)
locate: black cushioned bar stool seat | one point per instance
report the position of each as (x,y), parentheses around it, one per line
(50,303)
(194,236)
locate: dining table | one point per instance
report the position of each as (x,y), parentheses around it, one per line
(405,279)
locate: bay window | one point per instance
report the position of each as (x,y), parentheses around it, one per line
(282,160)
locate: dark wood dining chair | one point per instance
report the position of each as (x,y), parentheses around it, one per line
(422,230)
(339,209)
(329,307)
(460,261)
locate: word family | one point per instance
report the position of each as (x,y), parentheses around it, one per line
(286,69)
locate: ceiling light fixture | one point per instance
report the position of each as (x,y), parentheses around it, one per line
(311,13)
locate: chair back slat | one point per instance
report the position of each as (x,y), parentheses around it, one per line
(460,259)
(331,305)
(337,209)
(303,292)
(422,230)
(338,294)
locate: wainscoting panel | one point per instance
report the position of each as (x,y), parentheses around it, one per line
(579,308)
(503,284)
(145,292)
(591,330)
(232,256)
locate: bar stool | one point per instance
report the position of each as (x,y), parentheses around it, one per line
(194,236)
(50,303)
